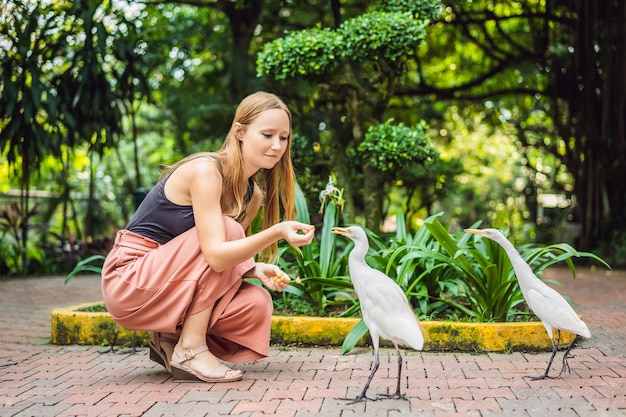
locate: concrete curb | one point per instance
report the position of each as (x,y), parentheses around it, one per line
(71,326)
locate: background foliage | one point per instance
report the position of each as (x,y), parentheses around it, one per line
(522,101)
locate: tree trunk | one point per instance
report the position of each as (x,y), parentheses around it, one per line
(339,162)
(243,17)
(597,113)
(373,193)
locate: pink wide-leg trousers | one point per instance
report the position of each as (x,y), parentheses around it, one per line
(153,287)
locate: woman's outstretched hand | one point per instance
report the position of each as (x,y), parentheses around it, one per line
(297,234)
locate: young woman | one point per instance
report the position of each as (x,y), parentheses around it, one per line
(177,267)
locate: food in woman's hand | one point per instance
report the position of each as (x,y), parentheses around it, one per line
(279,279)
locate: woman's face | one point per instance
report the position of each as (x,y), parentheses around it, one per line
(265,140)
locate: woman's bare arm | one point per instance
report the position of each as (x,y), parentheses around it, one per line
(201,181)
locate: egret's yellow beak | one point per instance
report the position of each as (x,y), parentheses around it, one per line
(340,231)
(475,231)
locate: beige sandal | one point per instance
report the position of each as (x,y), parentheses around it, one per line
(182,370)
(161,349)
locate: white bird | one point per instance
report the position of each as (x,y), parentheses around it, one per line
(546,303)
(384,306)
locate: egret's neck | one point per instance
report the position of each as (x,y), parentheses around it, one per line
(357,259)
(358,253)
(522,270)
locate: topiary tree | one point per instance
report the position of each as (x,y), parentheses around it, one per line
(358,65)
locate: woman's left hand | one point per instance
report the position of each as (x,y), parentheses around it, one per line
(272,276)
(296,233)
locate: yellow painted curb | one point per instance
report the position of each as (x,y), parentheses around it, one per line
(70,326)
(321,331)
(73,327)
(498,337)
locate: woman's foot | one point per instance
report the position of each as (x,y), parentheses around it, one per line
(193,364)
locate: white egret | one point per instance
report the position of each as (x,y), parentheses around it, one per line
(548,305)
(384,306)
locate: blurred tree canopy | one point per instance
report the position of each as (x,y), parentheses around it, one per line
(68,71)
(552,71)
(518,99)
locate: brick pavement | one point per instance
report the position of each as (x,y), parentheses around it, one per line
(39,379)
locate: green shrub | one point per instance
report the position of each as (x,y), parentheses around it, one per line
(322,274)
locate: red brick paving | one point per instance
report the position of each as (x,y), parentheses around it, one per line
(39,379)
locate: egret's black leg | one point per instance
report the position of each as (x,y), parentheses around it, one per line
(362,395)
(545,374)
(396,394)
(566,355)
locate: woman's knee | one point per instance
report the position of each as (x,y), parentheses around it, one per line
(259,300)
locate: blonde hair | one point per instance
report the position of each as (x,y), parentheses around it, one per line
(278,183)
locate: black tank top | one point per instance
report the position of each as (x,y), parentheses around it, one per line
(161,220)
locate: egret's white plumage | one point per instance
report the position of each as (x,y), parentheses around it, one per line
(548,305)
(384,306)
